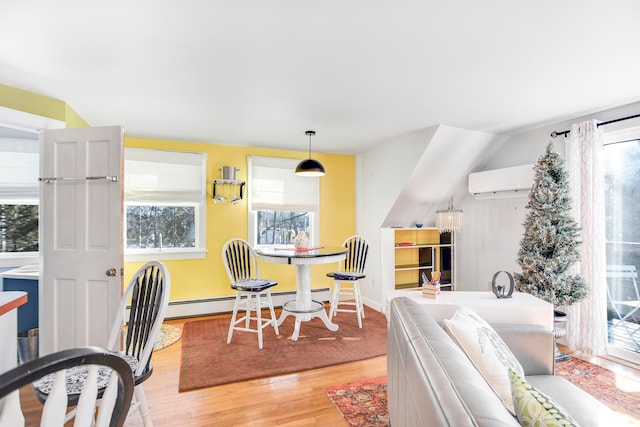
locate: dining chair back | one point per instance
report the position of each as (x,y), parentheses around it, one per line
(346,279)
(252,292)
(55,372)
(148,297)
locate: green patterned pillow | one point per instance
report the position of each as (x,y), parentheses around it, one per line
(534,408)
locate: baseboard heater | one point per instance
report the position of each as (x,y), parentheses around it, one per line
(219,305)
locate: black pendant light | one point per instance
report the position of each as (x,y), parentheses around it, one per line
(310,167)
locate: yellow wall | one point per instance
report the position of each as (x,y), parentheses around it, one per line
(40,105)
(203,278)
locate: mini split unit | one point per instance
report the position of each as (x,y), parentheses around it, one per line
(515,181)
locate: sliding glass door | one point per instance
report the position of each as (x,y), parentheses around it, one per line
(622,213)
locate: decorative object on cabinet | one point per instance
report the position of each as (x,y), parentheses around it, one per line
(407,253)
(228,188)
(449,220)
(501,291)
(310,167)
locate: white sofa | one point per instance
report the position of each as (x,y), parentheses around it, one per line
(431,381)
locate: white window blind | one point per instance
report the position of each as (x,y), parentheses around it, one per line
(19,169)
(274,186)
(164,176)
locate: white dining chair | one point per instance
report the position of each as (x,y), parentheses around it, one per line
(346,279)
(147,299)
(252,292)
(57,373)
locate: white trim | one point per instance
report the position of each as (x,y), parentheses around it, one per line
(208,306)
(21,120)
(163,255)
(620,353)
(18,259)
(621,135)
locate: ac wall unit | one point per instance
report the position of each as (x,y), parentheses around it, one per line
(515,181)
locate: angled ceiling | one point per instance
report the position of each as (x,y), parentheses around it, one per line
(261,73)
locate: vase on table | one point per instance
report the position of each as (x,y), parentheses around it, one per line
(301,241)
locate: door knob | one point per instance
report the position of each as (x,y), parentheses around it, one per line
(111,272)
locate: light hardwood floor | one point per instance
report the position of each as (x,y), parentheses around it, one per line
(289,400)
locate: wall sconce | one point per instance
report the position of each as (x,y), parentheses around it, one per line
(228,188)
(449,220)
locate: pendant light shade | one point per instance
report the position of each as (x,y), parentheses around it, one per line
(310,167)
(449,220)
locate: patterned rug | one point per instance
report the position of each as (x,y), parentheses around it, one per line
(207,359)
(168,335)
(362,403)
(619,392)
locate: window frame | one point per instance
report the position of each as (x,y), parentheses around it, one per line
(614,137)
(200,220)
(31,146)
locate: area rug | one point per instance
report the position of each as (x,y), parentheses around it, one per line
(207,359)
(361,403)
(364,403)
(619,392)
(168,335)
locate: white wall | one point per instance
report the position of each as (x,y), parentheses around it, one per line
(492,231)
(396,185)
(493,228)
(381,174)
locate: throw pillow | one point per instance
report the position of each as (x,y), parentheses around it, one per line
(534,408)
(486,350)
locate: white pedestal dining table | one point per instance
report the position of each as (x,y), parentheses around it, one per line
(303,307)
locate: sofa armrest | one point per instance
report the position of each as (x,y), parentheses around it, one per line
(532,345)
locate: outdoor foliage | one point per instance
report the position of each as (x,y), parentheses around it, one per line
(18,228)
(281,227)
(160,227)
(550,243)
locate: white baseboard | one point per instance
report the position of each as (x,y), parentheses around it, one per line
(208,306)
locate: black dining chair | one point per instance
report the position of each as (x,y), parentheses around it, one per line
(57,372)
(147,299)
(252,292)
(345,280)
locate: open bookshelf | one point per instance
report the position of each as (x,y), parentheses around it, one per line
(409,252)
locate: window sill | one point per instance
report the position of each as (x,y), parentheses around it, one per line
(164,255)
(19,259)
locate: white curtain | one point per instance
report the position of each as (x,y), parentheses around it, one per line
(587,325)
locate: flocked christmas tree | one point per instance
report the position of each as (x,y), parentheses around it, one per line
(550,243)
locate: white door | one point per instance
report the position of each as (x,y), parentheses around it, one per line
(80,236)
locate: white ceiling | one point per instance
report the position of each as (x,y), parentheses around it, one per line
(359,72)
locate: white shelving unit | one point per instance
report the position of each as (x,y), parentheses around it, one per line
(408,252)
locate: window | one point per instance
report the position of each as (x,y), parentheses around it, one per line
(621,160)
(164,204)
(281,204)
(19,194)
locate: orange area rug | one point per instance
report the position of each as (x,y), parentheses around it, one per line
(617,391)
(207,359)
(362,403)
